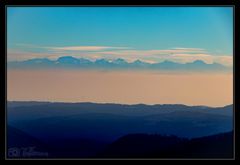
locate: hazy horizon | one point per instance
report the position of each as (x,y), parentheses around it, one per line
(125,87)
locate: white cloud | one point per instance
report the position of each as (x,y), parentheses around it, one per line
(226,60)
(191,49)
(191,55)
(152,52)
(85,48)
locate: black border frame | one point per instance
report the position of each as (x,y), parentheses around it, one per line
(70,3)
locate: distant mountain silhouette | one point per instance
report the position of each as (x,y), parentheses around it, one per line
(37,61)
(120,61)
(158,146)
(102,62)
(139,63)
(68,60)
(72,62)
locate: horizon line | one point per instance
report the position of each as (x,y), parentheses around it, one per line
(115,103)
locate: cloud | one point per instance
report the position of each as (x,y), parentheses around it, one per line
(184,58)
(208,58)
(191,55)
(154,52)
(13,55)
(226,60)
(85,48)
(115,50)
(191,49)
(69,48)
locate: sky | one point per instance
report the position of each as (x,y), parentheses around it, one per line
(151,34)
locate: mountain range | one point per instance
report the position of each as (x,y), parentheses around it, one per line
(110,121)
(72,62)
(119,130)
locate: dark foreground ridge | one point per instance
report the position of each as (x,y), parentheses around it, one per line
(91,130)
(158,146)
(128,146)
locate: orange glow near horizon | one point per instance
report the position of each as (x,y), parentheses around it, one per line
(126,87)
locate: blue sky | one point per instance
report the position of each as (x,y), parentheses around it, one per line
(147,33)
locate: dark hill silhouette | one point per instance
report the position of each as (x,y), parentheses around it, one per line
(85,129)
(128,146)
(111,121)
(18,138)
(20,142)
(158,146)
